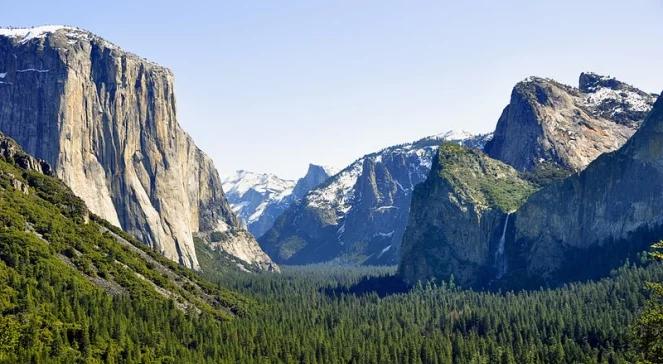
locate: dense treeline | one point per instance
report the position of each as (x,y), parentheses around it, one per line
(334,315)
(70,292)
(648,330)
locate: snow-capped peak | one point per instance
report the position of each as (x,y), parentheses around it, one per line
(452,135)
(607,96)
(329,169)
(250,194)
(263,183)
(32,31)
(629,99)
(259,198)
(72,36)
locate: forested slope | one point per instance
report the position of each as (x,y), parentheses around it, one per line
(71,290)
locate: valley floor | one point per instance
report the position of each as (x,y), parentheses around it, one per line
(326,314)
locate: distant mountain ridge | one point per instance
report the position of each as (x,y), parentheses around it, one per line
(259,198)
(358,215)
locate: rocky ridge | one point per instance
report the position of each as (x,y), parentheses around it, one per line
(593,221)
(359,215)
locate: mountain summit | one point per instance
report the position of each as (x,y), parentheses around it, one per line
(549,124)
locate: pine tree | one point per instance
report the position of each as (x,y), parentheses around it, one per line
(649,327)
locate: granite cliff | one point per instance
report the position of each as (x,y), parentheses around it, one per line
(105,120)
(548,125)
(596,204)
(454,214)
(593,221)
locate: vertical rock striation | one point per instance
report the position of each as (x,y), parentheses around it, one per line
(105,120)
(591,222)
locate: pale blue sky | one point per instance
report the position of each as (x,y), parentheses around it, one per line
(273,85)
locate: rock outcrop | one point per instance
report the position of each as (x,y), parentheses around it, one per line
(10,151)
(458,218)
(550,125)
(13,154)
(105,120)
(314,177)
(591,222)
(359,215)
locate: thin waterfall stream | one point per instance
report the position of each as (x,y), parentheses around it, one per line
(500,257)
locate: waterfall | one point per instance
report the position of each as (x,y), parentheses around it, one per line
(500,258)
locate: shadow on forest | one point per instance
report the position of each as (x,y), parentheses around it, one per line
(382,286)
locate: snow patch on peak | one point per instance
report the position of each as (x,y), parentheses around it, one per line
(251,194)
(454,135)
(598,77)
(329,170)
(32,31)
(339,192)
(530,79)
(73,36)
(632,100)
(38,32)
(263,183)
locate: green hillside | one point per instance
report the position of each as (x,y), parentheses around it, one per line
(75,289)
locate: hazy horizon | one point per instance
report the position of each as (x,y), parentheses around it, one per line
(272,87)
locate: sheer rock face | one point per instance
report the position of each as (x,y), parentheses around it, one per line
(315,176)
(457,218)
(548,122)
(359,215)
(578,228)
(105,120)
(591,222)
(12,153)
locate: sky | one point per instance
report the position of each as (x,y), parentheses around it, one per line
(271,86)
